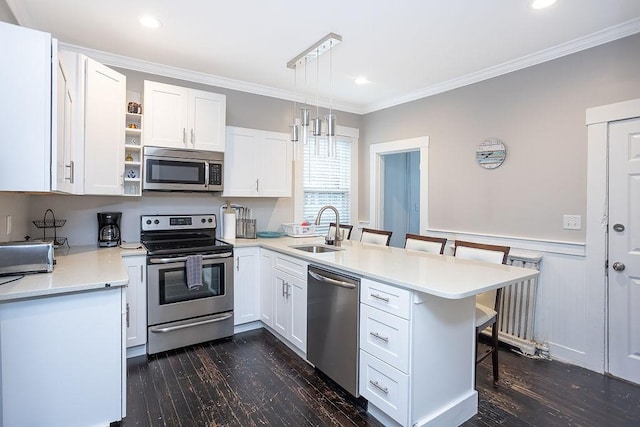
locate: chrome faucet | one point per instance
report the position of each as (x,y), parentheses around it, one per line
(338,237)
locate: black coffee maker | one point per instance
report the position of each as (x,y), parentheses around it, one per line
(109,229)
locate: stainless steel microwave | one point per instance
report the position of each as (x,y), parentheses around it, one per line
(173,169)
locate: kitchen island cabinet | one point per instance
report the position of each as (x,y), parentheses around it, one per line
(417,324)
(62,343)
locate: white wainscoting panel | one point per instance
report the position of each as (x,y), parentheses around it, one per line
(563,304)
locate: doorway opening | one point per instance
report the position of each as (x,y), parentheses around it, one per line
(401,195)
(398,185)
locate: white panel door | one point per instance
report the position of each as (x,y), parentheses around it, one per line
(297,294)
(165,115)
(65,173)
(246,285)
(136,312)
(207,116)
(240,167)
(624,250)
(267,291)
(104,130)
(25,109)
(275,165)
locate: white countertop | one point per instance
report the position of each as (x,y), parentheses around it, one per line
(440,275)
(77,269)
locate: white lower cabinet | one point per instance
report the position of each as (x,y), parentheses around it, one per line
(416,353)
(246,285)
(62,360)
(267,291)
(136,310)
(384,386)
(284,302)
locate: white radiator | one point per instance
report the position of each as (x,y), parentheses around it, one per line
(518,308)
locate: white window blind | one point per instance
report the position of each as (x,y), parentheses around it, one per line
(327,181)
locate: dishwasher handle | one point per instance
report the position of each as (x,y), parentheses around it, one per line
(331,281)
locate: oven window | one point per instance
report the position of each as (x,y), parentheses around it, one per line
(173,284)
(175,172)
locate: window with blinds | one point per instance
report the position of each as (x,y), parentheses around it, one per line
(327,181)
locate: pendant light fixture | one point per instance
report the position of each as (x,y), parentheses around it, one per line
(317,122)
(303,59)
(331,119)
(294,124)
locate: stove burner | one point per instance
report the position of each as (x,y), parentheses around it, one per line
(180,237)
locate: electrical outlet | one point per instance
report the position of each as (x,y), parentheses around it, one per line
(572,222)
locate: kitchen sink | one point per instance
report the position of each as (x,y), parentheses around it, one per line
(316,249)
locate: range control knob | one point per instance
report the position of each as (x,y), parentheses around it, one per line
(148,222)
(203,220)
(156,222)
(209,220)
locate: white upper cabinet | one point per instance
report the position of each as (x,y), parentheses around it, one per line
(64,178)
(180,117)
(257,163)
(25,110)
(105,100)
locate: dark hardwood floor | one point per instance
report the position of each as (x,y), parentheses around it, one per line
(253,379)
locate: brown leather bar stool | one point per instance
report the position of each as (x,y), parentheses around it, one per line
(378,237)
(417,242)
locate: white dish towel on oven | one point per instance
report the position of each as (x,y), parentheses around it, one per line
(194,271)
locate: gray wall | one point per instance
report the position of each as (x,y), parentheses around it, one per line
(5,13)
(539,113)
(243,109)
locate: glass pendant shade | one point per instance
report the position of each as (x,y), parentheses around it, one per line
(295,132)
(304,122)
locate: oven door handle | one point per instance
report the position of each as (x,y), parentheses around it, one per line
(162,330)
(184,258)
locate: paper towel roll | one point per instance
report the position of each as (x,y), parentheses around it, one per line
(229,226)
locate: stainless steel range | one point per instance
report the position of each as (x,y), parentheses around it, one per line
(179,314)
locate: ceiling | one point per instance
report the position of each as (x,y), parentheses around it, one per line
(407,49)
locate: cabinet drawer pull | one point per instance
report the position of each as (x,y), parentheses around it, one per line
(385,390)
(193,138)
(378,297)
(380,337)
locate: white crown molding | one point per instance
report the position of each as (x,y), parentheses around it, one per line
(143,66)
(592,40)
(601,37)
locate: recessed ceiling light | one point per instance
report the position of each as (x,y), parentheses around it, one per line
(361,80)
(541,4)
(149,22)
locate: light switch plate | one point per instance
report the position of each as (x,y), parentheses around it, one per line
(572,222)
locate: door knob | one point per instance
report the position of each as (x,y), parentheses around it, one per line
(618,266)
(618,227)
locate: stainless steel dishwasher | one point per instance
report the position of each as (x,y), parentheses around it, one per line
(332,325)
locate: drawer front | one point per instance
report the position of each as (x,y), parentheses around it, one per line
(293,266)
(385,387)
(385,336)
(387,298)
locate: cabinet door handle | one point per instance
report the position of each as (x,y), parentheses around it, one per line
(378,297)
(257,185)
(380,337)
(71,168)
(142,276)
(283,284)
(238,263)
(184,136)
(385,390)
(193,138)
(127,315)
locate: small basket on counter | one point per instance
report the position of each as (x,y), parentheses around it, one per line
(297,230)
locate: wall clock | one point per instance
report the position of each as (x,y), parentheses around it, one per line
(491,153)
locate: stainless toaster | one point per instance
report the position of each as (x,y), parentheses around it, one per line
(26,257)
